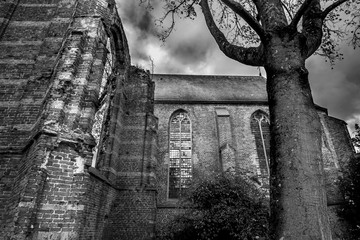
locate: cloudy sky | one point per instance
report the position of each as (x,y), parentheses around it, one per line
(190,49)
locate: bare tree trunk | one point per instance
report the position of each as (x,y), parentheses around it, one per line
(298,199)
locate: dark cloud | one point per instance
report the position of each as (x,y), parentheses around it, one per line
(139,20)
(337,89)
(138,16)
(190,44)
(350,66)
(190,52)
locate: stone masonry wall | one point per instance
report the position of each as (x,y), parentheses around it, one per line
(205,140)
(205,146)
(52,59)
(336,149)
(32,35)
(133,212)
(343,149)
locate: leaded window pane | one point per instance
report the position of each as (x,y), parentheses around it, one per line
(180,167)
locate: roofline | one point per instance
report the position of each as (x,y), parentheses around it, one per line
(338,119)
(175,101)
(252,102)
(203,75)
(321,109)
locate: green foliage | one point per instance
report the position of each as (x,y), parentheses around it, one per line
(226,207)
(350,184)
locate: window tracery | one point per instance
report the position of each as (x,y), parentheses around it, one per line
(180,152)
(260,127)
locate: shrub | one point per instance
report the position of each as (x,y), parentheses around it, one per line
(226,207)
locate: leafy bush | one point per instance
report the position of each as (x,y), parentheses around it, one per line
(227,207)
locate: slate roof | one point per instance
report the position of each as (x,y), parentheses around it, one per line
(209,88)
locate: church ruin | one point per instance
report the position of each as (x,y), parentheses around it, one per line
(94,148)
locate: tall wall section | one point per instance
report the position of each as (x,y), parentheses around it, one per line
(65,68)
(212,124)
(208,133)
(133,212)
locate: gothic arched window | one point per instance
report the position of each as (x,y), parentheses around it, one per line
(260,128)
(103,100)
(180,149)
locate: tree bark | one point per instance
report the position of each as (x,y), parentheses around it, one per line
(297,186)
(298,199)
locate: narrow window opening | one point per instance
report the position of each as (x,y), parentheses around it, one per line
(180,147)
(260,128)
(103,100)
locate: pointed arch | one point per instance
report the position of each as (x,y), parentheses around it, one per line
(180,154)
(260,127)
(120,47)
(113,54)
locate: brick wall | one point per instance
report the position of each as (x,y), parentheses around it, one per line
(132,213)
(53,55)
(246,141)
(340,138)
(98,199)
(61,205)
(205,145)
(31,37)
(340,145)
(225,135)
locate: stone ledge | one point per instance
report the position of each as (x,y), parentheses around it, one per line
(96,173)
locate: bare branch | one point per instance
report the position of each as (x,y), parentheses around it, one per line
(242,12)
(250,56)
(174,9)
(303,8)
(332,7)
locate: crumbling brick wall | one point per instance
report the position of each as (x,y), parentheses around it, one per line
(52,60)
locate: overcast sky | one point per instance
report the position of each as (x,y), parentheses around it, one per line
(190,49)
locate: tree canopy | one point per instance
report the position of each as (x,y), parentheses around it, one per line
(244,24)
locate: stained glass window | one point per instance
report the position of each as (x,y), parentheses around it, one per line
(180,151)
